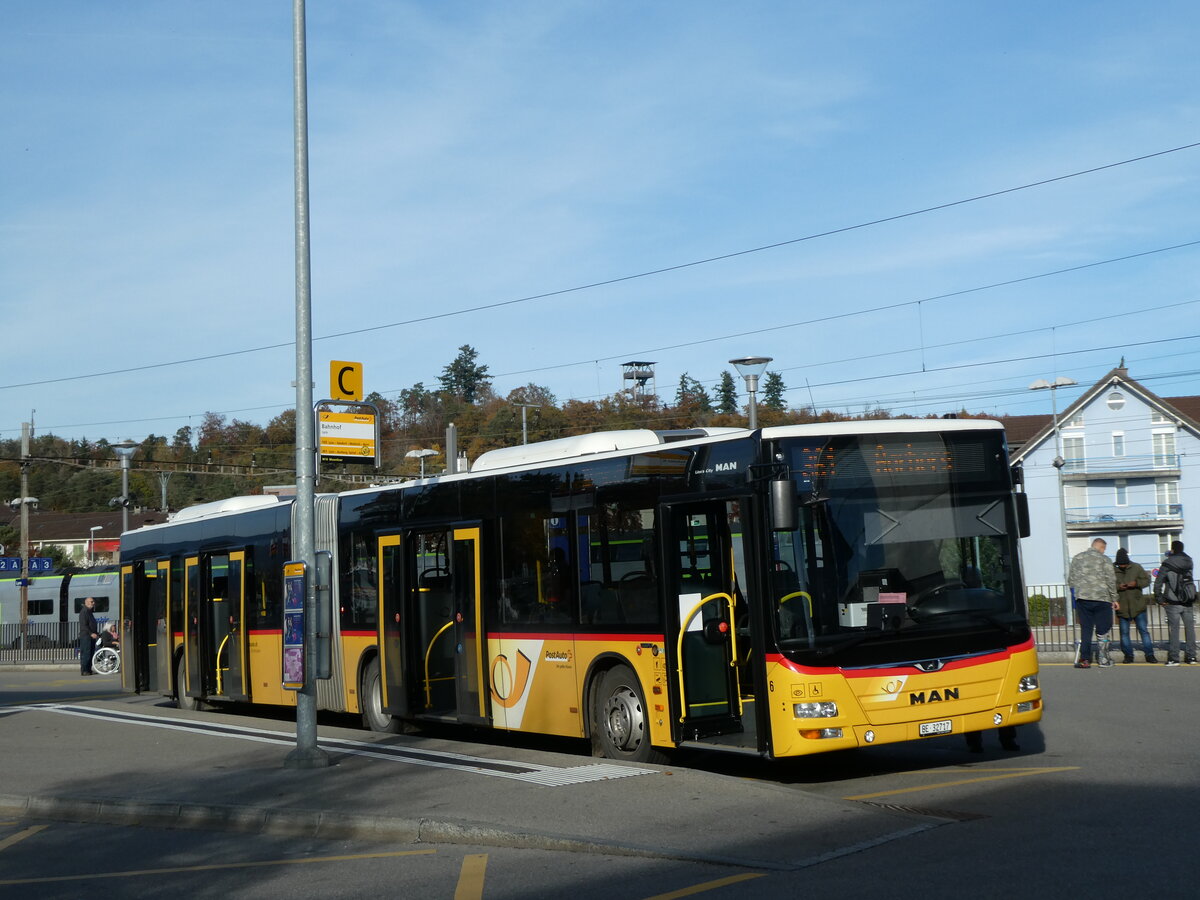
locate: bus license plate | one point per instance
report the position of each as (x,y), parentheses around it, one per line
(930,728)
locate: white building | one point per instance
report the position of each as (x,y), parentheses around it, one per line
(1129,472)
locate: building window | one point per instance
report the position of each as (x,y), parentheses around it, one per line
(1076,502)
(1157,418)
(1073,453)
(1166,497)
(1116,400)
(1165,540)
(1075,421)
(1123,542)
(1120,494)
(1118,443)
(1164,449)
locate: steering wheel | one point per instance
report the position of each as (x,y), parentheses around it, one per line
(949,584)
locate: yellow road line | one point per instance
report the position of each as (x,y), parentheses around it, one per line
(92,876)
(470,878)
(1020,773)
(20,836)
(706,886)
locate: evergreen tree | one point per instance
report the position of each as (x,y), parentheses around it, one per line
(464,378)
(727,401)
(772,394)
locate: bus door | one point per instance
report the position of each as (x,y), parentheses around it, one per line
(215,609)
(444,641)
(393,624)
(134,633)
(708,631)
(160,614)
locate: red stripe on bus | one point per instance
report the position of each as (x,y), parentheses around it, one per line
(558,636)
(953,664)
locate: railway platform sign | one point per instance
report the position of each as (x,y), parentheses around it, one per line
(36,564)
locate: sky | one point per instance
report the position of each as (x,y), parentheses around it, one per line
(913,206)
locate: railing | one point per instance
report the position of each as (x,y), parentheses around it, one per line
(1151,512)
(39,642)
(1054,627)
(1115,465)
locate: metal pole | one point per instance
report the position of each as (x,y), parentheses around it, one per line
(753,407)
(125,492)
(1058,464)
(307,754)
(24,532)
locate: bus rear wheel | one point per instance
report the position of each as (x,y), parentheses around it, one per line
(182,700)
(619,719)
(371,699)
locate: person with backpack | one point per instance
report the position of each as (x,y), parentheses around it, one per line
(1175,589)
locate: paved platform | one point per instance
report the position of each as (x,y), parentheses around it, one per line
(137,760)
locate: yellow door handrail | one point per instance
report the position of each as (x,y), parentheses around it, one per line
(221,693)
(428,653)
(683,625)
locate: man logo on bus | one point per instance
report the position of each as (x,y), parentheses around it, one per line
(933,696)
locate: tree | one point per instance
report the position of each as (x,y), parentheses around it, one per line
(464,378)
(727,400)
(772,394)
(691,395)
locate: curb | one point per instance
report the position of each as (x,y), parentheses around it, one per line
(340,826)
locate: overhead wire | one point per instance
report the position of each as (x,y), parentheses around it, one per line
(624,278)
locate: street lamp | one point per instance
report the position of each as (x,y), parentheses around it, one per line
(124,451)
(750,368)
(421,455)
(1058,462)
(92,545)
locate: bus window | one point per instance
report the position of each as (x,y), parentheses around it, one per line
(538,583)
(360,603)
(622,565)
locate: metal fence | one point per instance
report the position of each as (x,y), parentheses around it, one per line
(1054,627)
(39,642)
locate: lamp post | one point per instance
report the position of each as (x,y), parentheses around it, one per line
(1058,462)
(92,544)
(125,451)
(750,368)
(421,455)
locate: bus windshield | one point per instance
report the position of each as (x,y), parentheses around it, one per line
(905,551)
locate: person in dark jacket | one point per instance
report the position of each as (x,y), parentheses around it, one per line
(88,632)
(1175,589)
(1131,605)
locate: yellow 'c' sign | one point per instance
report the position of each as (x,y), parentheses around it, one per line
(345,380)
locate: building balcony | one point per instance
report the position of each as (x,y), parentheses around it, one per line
(1162,515)
(1148,465)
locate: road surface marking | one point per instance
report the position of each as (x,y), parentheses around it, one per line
(1019,773)
(214,867)
(707,886)
(20,836)
(470,878)
(534,773)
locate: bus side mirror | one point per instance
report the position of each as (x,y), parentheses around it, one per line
(783,505)
(1023,528)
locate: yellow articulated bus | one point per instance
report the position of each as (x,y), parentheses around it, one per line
(781,592)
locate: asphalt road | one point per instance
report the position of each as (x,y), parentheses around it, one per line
(1100,801)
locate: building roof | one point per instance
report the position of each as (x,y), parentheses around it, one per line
(1184,410)
(46,525)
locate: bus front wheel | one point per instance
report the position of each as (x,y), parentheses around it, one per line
(371,700)
(619,719)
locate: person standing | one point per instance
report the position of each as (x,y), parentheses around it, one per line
(1131,605)
(1175,589)
(88,632)
(1094,583)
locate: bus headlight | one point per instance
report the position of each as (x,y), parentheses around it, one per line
(826,710)
(1028,683)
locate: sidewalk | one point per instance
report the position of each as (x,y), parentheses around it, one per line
(217,771)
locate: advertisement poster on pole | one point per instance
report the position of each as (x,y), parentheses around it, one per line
(295,587)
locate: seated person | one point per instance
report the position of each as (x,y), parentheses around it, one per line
(109,638)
